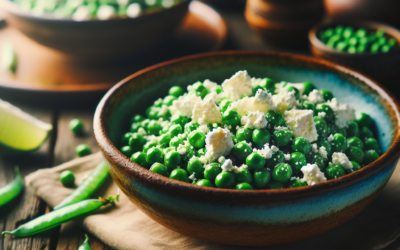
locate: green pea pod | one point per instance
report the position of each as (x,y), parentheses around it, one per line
(57,217)
(85,245)
(12,189)
(88,187)
(9,58)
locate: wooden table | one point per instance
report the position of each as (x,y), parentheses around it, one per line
(61,148)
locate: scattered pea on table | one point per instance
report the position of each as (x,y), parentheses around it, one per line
(83,150)
(77,126)
(67,178)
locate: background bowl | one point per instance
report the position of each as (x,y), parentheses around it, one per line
(94,39)
(383,67)
(259,217)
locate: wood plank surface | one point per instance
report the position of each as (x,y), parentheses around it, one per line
(27,206)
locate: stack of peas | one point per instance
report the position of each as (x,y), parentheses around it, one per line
(94,9)
(353,41)
(163,156)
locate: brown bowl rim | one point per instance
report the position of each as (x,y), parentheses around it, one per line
(155,180)
(317,43)
(12,8)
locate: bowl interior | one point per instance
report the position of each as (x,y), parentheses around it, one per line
(143,88)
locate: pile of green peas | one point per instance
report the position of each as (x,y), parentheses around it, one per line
(351,40)
(80,10)
(253,171)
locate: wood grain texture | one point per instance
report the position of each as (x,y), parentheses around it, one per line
(27,206)
(71,236)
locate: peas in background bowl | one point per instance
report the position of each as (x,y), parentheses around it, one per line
(246,217)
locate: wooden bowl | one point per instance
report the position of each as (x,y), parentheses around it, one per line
(383,67)
(251,217)
(97,39)
(285,23)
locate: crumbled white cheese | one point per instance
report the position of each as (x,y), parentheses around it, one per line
(239,169)
(265,152)
(274,148)
(227,165)
(212,96)
(218,143)
(279,127)
(182,149)
(238,85)
(342,160)
(105,12)
(284,100)
(321,114)
(302,124)
(163,110)
(81,13)
(287,157)
(203,160)
(184,105)
(261,102)
(209,84)
(207,111)
(299,86)
(330,138)
(204,129)
(141,131)
(254,120)
(322,152)
(315,97)
(312,174)
(343,112)
(152,138)
(257,82)
(192,176)
(165,124)
(314,148)
(133,10)
(221,159)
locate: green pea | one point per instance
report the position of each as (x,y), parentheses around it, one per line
(275,118)
(141,159)
(67,178)
(339,143)
(211,171)
(366,133)
(255,161)
(261,137)
(202,152)
(175,130)
(172,160)
(181,120)
(275,185)
(372,143)
(195,166)
(296,92)
(352,49)
(155,155)
(76,126)
(176,91)
(297,183)
(256,88)
(231,118)
(241,150)
(320,125)
(353,41)
(375,47)
(282,172)
(169,99)
(125,138)
(189,127)
(276,158)
(361,48)
(204,183)
(355,154)
(158,103)
(348,32)
(152,112)
(361,32)
(308,87)
(261,178)
(333,41)
(164,140)
(355,142)
(320,161)
(190,152)
(356,166)
(218,89)
(244,186)
(370,156)
(352,129)
(197,139)
(363,120)
(154,128)
(308,106)
(224,105)
(127,151)
(148,146)
(244,134)
(145,124)
(332,129)
(136,142)
(301,145)
(327,94)
(329,114)
(282,137)
(201,91)
(244,175)
(386,48)
(225,180)
(341,46)
(234,139)
(297,161)
(159,169)
(326,145)
(180,175)
(334,171)
(83,150)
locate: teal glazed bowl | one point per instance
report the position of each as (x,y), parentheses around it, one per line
(247,218)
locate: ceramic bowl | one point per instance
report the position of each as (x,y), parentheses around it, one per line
(97,39)
(383,67)
(248,218)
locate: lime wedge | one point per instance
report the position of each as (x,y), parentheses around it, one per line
(19,131)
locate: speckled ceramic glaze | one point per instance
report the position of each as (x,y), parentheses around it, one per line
(250,218)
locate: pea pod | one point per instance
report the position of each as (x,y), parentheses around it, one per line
(57,217)
(9,59)
(85,245)
(12,189)
(88,187)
